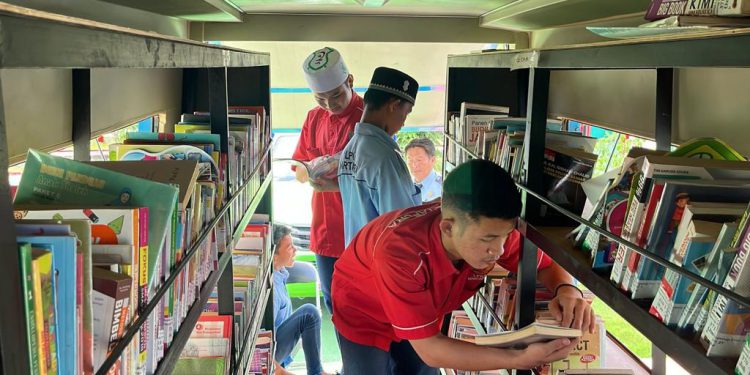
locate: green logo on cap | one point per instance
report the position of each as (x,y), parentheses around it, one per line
(319,59)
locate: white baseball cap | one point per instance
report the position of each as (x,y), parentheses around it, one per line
(325,70)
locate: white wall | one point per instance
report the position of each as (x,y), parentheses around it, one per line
(38,103)
(426,62)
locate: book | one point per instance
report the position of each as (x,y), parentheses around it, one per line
(50,180)
(44,308)
(713,21)
(665,8)
(695,239)
(27,288)
(533,333)
(589,353)
(110,301)
(665,167)
(63,248)
(743,363)
(564,171)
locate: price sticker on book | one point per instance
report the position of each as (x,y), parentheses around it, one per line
(525,60)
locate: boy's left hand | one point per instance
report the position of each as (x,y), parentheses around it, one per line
(570,310)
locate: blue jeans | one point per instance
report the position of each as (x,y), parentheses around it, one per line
(304,322)
(325,272)
(369,360)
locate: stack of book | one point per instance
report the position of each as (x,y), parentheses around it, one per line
(208,350)
(262,361)
(113,232)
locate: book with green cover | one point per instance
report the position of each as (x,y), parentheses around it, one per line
(54,180)
(27,286)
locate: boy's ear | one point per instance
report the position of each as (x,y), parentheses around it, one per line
(447,225)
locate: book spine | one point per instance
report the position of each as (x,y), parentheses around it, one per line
(42,347)
(636,262)
(631,220)
(27,285)
(143,247)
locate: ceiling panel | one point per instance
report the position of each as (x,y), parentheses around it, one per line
(525,16)
(473,8)
(191,10)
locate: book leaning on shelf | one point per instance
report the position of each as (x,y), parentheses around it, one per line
(656,171)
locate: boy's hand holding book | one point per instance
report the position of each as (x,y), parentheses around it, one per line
(570,309)
(537,355)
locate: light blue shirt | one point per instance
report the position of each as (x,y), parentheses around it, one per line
(431,187)
(373,179)
(282,304)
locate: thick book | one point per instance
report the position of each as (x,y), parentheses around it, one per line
(588,353)
(44,308)
(110,301)
(533,333)
(54,180)
(564,171)
(713,21)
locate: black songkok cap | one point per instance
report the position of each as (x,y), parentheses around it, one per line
(394,82)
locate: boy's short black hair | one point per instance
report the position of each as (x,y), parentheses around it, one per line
(480,188)
(279,231)
(376,99)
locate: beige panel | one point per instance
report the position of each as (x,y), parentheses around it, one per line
(617,99)
(576,34)
(426,62)
(714,103)
(110,13)
(122,96)
(274,27)
(37,109)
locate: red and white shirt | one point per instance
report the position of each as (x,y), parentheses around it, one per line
(326,134)
(395,281)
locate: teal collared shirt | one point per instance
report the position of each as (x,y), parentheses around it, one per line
(373,178)
(431,187)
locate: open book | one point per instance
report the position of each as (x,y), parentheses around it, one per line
(325,166)
(533,333)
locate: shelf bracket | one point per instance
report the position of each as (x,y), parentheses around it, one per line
(81,114)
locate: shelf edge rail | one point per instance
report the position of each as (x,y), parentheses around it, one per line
(145,314)
(744,301)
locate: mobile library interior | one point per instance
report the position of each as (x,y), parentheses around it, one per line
(118,264)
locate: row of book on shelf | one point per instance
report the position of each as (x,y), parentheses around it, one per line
(499,294)
(689,206)
(209,348)
(98,239)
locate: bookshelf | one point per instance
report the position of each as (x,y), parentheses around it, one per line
(520,80)
(213,78)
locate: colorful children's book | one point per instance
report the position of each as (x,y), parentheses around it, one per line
(50,180)
(27,286)
(44,309)
(64,261)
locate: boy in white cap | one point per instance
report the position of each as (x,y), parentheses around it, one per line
(326,131)
(373,177)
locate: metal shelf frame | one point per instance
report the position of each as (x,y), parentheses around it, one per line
(531,69)
(214,78)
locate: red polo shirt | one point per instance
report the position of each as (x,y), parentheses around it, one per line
(395,281)
(327,134)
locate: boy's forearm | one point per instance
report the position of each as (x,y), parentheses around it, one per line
(553,276)
(443,352)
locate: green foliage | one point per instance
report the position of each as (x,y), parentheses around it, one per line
(612,149)
(403,139)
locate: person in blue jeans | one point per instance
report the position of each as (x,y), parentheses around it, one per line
(291,325)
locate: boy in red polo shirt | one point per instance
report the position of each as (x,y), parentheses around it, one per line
(326,131)
(408,268)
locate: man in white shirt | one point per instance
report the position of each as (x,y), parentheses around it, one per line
(420,157)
